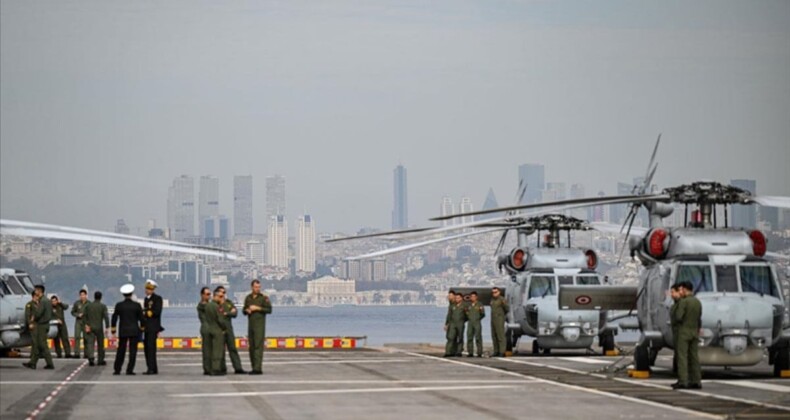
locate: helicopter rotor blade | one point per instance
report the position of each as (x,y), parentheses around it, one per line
(632,216)
(501,242)
(772,201)
(421,244)
(378,234)
(653,158)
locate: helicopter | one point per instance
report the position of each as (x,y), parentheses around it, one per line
(16,286)
(535,274)
(744,312)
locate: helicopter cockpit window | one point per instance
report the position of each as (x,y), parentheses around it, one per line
(4,288)
(15,286)
(726,279)
(27,283)
(541,286)
(758,279)
(566,280)
(587,280)
(698,275)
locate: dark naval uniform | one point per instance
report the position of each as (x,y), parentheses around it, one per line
(256,328)
(499,310)
(77,311)
(228,310)
(204,348)
(97,320)
(687,316)
(475,312)
(62,339)
(152,325)
(456,316)
(41,317)
(130,315)
(215,338)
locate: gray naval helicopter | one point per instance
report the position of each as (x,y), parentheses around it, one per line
(744,312)
(16,286)
(535,274)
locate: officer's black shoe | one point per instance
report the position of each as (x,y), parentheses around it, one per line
(206,373)
(148,372)
(240,371)
(116,373)
(695,386)
(256,372)
(49,367)
(217,374)
(28,365)
(678,385)
(91,363)
(102,364)
(131,373)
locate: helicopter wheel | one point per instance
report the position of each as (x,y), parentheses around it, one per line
(641,358)
(546,352)
(607,343)
(535,347)
(653,356)
(781,360)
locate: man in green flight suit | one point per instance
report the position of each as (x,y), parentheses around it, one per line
(62,339)
(256,307)
(30,323)
(450,345)
(205,349)
(77,311)
(96,322)
(499,310)
(41,315)
(688,316)
(674,293)
(475,312)
(216,336)
(456,316)
(229,311)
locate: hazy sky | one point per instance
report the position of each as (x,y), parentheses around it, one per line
(103,103)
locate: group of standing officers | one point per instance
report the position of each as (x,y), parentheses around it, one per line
(92,324)
(465,312)
(216,329)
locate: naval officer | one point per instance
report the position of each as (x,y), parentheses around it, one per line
(499,310)
(130,315)
(152,325)
(688,318)
(256,306)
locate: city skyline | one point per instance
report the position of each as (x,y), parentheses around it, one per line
(333,100)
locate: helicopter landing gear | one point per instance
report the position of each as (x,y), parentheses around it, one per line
(642,358)
(535,347)
(653,356)
(607,343)
(510,341)
(781,359)
(546,352)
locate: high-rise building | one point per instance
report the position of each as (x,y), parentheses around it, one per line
(275,197)
(577,191)
(533,176)
(770,215)
(254,252)
(447,209)
(181,208)
(120,227)
(558,188)
(466,207)
(400,205)
(618,212)
(277,245)
(599,213)
(242,205)
(744,216)
(305,244)
(489,203)
(216,230)
(208,201)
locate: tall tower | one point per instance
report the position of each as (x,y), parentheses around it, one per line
(400,206)
(275,196)
(277,245)
(242,205)
(446,209)
(305,244)
(208,201)
(466,207)
(533,176)
(744,216)
(181,208)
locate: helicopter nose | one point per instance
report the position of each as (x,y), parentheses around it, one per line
(571,334)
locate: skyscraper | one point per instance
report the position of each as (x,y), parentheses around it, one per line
(305,244)
(275,196)
(446,209)
(208,201)
(277,245)
(242,205)
(533,176)
(254,252)
(181,208)
(466,207)
(618,212)
(577,191)
(489,203)
(744,216)
(400,205)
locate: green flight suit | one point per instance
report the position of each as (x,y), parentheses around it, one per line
(41,317)
(687,316)
(674,325)
(256,328)
(456,316)
(459,350)
(30,311)
(499,310)
(475,312)
(229,311)
(216,337)
(98,320)
(77,311)
(63,330)
(205,349)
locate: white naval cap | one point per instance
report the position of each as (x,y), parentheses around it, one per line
(127,289)
(150,284)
